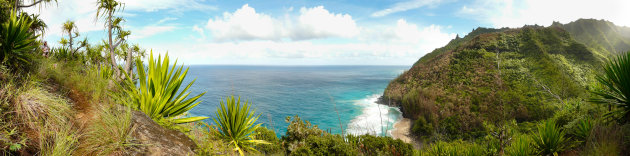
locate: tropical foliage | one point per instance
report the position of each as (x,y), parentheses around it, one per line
(17,43)
(550,139)
(616,88)
(159,92)
(236,124)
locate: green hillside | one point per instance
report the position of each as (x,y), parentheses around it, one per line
(602,37)
(491,76)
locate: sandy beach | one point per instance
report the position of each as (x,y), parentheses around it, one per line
(401,131)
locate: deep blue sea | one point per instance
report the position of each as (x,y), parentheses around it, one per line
(311,92)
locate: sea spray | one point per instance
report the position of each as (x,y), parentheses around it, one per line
(375,119)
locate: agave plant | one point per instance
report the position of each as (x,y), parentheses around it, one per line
(616,84)
(521,146)
(158,94)
(17,43)
(550,139)
(236,124)
(583,129)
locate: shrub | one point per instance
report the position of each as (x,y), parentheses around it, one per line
(158,94)
(616,83)
(302,151)
(235,124)
(17,42)
(550,139)
(329,144)
(269,136)
(297,132)
(422,127)
(379,145)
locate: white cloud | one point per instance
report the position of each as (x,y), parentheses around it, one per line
(317,22)
(166,19)
(155,5)
(199,30)
(510,13)
(149,31)
(399,43)
(247,24)
(404,6)
(260,38)
(56,14)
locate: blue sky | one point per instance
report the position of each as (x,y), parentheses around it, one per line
(328,32)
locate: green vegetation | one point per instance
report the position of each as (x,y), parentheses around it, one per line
(158,94)
(499,88)
(616,88)
(236,124)
(550,139)
(18,42)
(527,91)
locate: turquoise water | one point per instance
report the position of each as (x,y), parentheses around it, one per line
(311,92)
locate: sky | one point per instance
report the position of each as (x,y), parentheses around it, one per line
(325,32)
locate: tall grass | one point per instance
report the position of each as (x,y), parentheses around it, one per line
(110,132)
(605,140)
(521,146)
(50,116)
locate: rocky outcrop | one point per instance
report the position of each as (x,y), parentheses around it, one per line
(157,140)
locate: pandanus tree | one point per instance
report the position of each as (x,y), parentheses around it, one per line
(105,11)
(70,29)
(615,90)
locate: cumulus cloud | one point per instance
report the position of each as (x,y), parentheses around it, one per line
(74,10)
(401,41)
(404,6)
(311,23)
(318,22)
(510,13)
(245,24)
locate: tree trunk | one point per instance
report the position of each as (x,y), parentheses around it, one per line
(129,63)
(70,36)
(111,45)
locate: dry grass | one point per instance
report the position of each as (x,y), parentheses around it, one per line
(109,133)
(49,119)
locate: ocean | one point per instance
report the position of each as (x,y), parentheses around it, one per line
(324,95)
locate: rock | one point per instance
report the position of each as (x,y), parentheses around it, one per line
(157,140)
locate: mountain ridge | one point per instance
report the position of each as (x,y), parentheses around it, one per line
(525,74)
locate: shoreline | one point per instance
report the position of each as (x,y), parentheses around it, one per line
(402,131)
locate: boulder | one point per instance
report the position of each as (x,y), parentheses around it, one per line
(157,140)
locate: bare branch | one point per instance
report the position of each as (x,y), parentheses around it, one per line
(30,5)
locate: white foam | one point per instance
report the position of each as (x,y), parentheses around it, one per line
(375,119)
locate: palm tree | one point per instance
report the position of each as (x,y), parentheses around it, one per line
(616,88)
